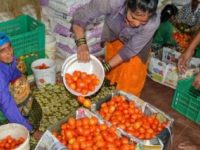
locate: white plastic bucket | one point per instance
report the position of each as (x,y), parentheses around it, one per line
(44,76)
(50,46)
(94,66)
(16,131)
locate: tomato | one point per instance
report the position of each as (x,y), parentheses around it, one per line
(141,136)
(150,131)
(81,84)
(76,73)
(80,99)
(124,140)
(42,66)
(147,135)
(72,140)
(72,86)
(85,121)
(83,145)
(69,134)
(137,124)
(125,146)
(78,123)
(75,146)
(87,103)
(72,121)
(103,127)
(93,121)
(100,143)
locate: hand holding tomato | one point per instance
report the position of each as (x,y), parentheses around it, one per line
(184,61)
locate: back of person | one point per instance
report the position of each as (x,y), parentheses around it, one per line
(163,36)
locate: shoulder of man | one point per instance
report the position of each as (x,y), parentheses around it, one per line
(115,4)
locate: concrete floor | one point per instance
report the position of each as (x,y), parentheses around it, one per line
(184,130)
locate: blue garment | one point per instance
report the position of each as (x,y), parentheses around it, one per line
(8,73)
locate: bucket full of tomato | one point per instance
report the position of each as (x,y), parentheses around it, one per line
(17,135)
(44,71)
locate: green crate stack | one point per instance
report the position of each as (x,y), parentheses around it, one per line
(28,38)
(186,100)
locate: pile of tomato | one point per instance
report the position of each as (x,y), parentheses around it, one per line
(42,66)
(182,39)
(126,115)
(81,82)
(88,134)
(9,143)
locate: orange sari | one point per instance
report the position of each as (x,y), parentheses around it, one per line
(130,76)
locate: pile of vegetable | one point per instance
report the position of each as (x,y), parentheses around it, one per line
(9,142)
(88,134)
(81,82)
(126,115)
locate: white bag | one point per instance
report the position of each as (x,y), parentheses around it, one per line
(165,70)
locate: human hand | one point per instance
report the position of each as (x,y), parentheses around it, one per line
(183,61)
(83,53)
(37,134)
(196,82)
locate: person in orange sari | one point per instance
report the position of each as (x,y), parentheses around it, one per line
(128,29)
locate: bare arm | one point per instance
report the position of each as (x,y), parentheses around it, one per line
(84,15)
(116,60)
(82,50)
(186,56)
(194,43)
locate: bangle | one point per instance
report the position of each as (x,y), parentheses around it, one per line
(107,66)
(80,41)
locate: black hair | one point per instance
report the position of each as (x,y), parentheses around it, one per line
(149,6)
(168,11)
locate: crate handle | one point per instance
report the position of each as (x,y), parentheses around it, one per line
(194,91)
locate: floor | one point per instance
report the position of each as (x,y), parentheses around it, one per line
(184,130)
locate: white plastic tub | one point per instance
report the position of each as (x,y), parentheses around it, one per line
(16,131)
(94,66)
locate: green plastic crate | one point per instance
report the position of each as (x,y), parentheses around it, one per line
(186,100)
(28,38)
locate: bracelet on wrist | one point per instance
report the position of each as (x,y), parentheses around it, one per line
(80,41)
(107,66)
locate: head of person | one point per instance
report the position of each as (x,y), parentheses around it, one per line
(194,4)
(6,51)
(140,11)
(168,12)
